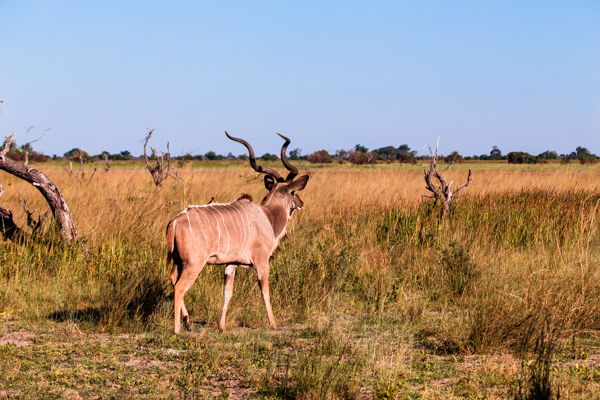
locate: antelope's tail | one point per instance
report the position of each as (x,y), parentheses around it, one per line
(171,228)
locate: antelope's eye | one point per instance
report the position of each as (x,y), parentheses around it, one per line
(293,192)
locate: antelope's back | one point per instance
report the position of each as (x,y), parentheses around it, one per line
(219,232)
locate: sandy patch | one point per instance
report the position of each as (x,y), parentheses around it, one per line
(18,339)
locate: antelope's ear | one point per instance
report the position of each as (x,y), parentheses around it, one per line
(269,182)
(299,183)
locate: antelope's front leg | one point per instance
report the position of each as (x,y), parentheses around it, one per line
(262,271)
(227,292)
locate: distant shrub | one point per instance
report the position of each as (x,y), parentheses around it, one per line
(516,157)
(453,157)
(269,157)
(360,158)
(406,158)
(588,160)
(519,157)
(211,156)
(548,155)
(319,157)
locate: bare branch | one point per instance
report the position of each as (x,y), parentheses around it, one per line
(145,144)
(23,204)
(31,222)
(41,220)
(70,170)
(7,145)
(80,152)
(465,185)
(27,145)
(448,167)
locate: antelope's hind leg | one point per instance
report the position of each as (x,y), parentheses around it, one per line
(186,280)
(227,293)
(185,316)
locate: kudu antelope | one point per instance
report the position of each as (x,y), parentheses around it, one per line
(240,233)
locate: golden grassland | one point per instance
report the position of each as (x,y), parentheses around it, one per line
(332,187)
(375,297)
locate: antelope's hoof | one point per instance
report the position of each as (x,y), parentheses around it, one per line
(186,323)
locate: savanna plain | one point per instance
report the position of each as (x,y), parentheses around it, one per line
(374,297)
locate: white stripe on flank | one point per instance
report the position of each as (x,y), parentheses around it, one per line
(197,215)
(249,231)
(235,230)
(210,212)
(236,207)
(190,224)
(212,231)
(238,227)
(225,226)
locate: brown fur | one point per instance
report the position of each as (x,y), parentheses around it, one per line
(240,233)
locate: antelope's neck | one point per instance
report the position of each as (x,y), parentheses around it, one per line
(278,218)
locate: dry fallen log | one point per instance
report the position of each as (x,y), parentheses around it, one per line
(51,194)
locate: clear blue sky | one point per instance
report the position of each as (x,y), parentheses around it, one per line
(522,75)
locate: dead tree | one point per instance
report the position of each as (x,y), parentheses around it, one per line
(80,176)
(56,202)
(443,191)
(158,172)
(81,171)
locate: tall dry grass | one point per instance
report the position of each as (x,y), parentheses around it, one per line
(521,244)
